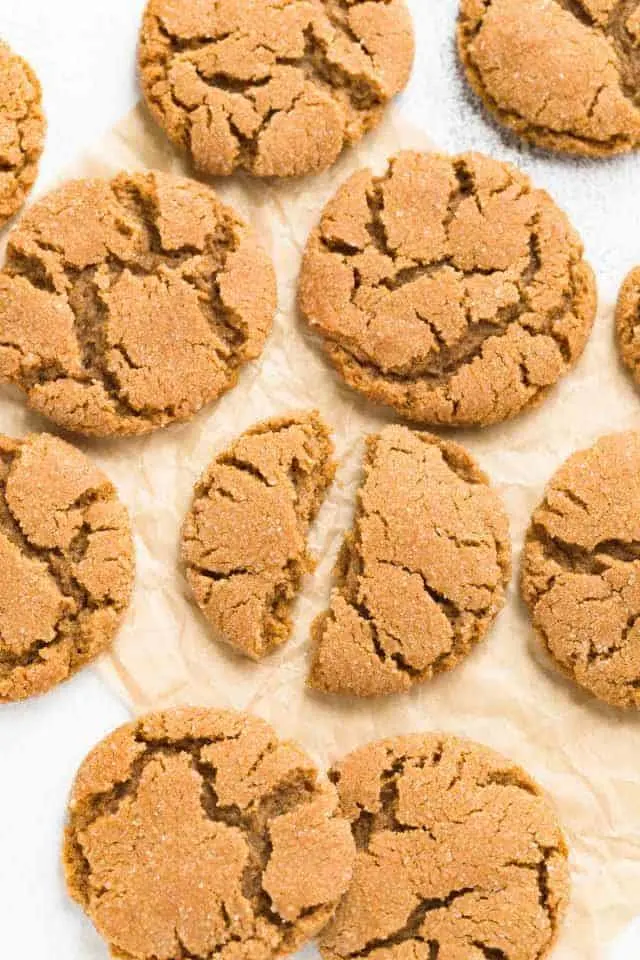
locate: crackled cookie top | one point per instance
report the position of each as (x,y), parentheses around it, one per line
(581,569)
(22,130)
(124,304)
(459,855)
(565,74)
(244,540)
(421,576)
(66,562)
(198,833)
(448,288)
(276,87)
(628,322)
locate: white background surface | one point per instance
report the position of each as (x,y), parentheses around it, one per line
(84,54)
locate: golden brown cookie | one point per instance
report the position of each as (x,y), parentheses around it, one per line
(563,74)
(275,87)
(244,539)
(126,304)
(448,288)
(628,323)
(66,562)
(197,833)
(581,569)
(22,131)
(421,576)
(460,855)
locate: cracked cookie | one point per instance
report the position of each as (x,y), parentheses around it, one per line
(581,569)
(124,303)
(563,74)
(628,323)
(448,288)
(197,833)
(459,855)
(274,87)
(244,540)
(423,573)
(22,131)
(66,556)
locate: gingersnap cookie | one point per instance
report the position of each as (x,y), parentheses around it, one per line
(448,288)
(22,131)
(126,304)
(628,323)
(421,576)
(563,74)
(197,833)
(66,557)
(460,855)
(244,540)
(274,87)
(581,569)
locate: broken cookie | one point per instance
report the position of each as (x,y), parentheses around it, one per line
(124,303)
(564,74)
(274,87)
(66,557)
(423,573)
(448,288)
(581,569)
(244,540)
(459,855)
(197,833)
(22,131)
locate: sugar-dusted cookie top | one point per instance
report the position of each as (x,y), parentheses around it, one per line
(22,131)
(197,833)
(275,87)
(125,303)
(448,288)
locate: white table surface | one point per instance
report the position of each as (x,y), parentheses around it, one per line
(84,53)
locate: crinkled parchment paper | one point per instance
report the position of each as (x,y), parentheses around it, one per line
(507,694)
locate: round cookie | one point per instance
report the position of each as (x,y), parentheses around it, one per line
(275,88)
(448,288)
(628,323)
(563,74)
(22,131)
(581,569)
(66,556)
(124,303)
(422,575)
(197,833)
(244,541)
(459,855)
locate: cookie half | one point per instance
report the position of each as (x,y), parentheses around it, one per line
(448,288)
(421,576)
(124,303)
(197,833)
(628,323)
(564,75)
(22,131)
(66,557)
(244,540)
(460,855)
(581,569)
(275,88)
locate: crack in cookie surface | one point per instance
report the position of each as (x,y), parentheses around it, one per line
(581,569)
(22,131)
(67,563)
(125,304)
(581,60)
(423,573)
(198,833)
(477,857)
(448,288)
(276,88)
(244,539)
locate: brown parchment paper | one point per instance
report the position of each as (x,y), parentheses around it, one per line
(507,694)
